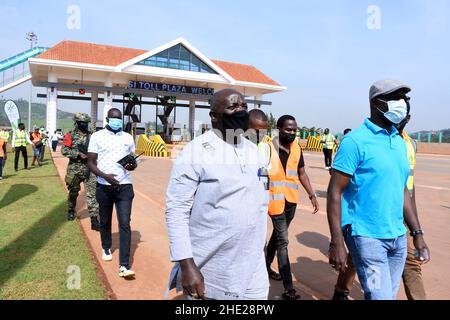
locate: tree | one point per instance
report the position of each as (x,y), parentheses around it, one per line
(272,124)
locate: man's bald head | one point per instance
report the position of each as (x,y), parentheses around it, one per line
(228,102)
(220,99)
(115,113)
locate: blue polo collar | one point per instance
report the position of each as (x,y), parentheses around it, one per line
(376,129)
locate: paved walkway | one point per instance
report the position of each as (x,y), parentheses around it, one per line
(309,236)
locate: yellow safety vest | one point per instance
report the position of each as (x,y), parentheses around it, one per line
(284,185)
(411,155)
(20,139)
(4,135)
(329,141)
(265,151)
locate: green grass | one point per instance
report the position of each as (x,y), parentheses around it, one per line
(37,244)
(63,124)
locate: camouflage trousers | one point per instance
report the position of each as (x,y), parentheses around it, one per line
(78,173)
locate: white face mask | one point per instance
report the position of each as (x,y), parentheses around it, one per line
(397,110)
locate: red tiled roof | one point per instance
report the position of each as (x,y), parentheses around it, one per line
(90,53)
(245,72)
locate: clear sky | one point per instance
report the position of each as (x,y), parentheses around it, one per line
(322,51)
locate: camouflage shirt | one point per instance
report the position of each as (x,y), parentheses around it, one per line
(75,141)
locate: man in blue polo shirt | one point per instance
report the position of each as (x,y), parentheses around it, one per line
(368,200)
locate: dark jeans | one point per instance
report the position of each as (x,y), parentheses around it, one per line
(54,145)
(122,196)
(1,166)
(278,244)
(41,153)
(328,154)
(24,155)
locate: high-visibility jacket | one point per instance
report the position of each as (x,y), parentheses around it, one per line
(411,149)
(4,135)
(35,137)
(328,141)
(284,185)
(2,143)
(20,139)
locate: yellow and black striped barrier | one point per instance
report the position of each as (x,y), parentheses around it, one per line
(156,148)
(314,144)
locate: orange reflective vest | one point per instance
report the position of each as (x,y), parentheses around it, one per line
(2,143)
(35,137)
(284,185)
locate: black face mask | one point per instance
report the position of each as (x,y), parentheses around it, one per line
(288,138)
(235,121)
(83,126)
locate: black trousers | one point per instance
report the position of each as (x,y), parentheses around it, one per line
(41,152)
(24,155)
(328,156)
(122,197)
(278,244)
(54,145)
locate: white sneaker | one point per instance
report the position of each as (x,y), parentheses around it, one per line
(126,273)
(106,255)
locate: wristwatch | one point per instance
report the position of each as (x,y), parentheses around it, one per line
(314,195)
(416,233)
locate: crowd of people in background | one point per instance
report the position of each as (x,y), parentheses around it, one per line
(18,140)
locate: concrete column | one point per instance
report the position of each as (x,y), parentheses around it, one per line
(192,119)
(94,109)
(106,106)
(52,104)
(257,97)
(107,102)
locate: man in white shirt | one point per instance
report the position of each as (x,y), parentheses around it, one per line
(216,210)
(106,148)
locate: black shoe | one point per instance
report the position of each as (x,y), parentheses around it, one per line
(291,295)
(95,225)
(340,295)
(274,275)
(70,215)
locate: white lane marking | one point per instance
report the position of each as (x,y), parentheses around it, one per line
(430,155)
(432,187)
(157,203)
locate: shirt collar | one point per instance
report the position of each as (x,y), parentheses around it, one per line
(376,129)
(113,132)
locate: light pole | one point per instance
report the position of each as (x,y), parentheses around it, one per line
(32,37)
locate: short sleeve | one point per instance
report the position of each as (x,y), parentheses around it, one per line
(348,157)
(93,144)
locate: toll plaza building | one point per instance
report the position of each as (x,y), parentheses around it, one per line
(173,75)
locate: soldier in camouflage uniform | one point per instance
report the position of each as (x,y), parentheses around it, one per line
(75,148)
